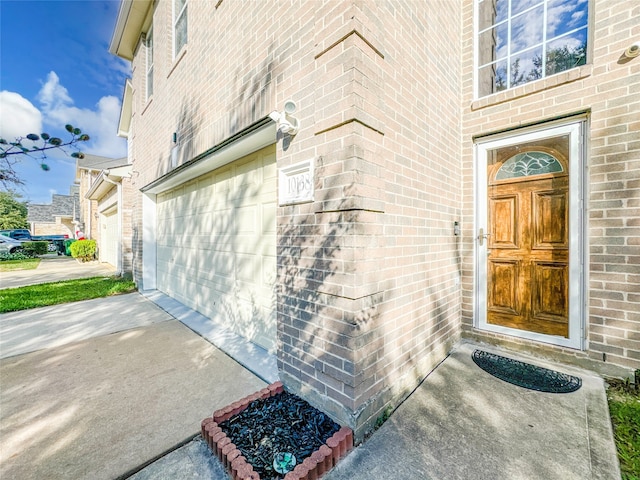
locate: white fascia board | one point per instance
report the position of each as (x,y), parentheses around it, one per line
(246,144)
(124,122)
(104,182)
(131,18)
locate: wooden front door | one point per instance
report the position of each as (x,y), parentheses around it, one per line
(527,237)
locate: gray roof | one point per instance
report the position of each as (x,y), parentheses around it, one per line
(60,206)
(96,162)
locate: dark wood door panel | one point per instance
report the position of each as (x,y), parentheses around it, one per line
(503,212)
(550,219)
(528,243)
(551,291)
(503,292)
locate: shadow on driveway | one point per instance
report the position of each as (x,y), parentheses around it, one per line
(99,408)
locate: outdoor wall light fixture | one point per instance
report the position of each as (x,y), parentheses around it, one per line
(633,50)
(286,123)
(175,137)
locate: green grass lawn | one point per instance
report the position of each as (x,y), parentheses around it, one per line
(42,295)
(624,406)
(27,264)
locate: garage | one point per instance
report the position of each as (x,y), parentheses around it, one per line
(109,236)
(216,245)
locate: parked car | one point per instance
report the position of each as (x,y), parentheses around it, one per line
(17,233)
(9,245)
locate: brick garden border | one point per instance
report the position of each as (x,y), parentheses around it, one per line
(312,468)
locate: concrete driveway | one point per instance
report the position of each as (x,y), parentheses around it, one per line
(53,268)
(96,389)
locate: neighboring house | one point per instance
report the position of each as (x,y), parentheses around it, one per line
(459,170)
(56,218)
(105,207)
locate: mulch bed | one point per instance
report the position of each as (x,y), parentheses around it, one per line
(273,424)
(280,424)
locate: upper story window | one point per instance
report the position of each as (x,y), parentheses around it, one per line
(149,48)
(179,25)
(520,41)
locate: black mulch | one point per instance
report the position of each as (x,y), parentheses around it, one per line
(283,423)
(526,375)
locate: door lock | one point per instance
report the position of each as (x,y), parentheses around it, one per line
(482,236)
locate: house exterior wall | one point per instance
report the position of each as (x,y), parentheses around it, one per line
(369,301)
(62,228)
(88,208)
(373,285)
(55,218)
(606,90)
(126,212)
(367,272)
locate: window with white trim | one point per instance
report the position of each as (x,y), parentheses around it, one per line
(148,43)
(179,25)
(520,41)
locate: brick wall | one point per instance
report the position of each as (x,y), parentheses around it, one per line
(127,209)
(372,281)
(88,208)
(368,272)
(62,228)
(607,90)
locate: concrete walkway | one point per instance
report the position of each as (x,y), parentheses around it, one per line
(105,388)
(463,423)
(53,268)
(103,406)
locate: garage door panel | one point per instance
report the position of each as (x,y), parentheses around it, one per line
(223,180)
(246,218)
(247,267)
(268,217)
(269,168)
(222,221)
(109,238)
(217,238)
(218,283)
(269,269)
(164,253)
(247,175)
(246,244)
(224,267)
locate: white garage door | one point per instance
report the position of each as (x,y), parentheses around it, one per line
(109,238)
(216,246)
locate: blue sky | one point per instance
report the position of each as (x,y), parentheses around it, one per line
(55,68)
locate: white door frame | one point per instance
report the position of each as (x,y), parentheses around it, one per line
(575,128)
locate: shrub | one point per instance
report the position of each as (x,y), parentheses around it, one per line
(35,248)
(83,249)
(14,256)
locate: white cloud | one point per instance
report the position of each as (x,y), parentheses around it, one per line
(100,123)
(18,116)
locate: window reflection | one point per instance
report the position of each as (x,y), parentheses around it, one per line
(536,38)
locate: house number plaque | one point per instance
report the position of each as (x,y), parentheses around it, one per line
(296,183)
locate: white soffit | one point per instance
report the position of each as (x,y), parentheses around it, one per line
(106,180)
(131,18)
(124,123)
(244,145)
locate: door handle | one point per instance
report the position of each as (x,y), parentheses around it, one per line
(482,236)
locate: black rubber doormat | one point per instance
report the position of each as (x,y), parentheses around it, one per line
(526,375)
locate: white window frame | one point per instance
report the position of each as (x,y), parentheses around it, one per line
(478,32)
(575,128)
(176,18)
(148,43)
